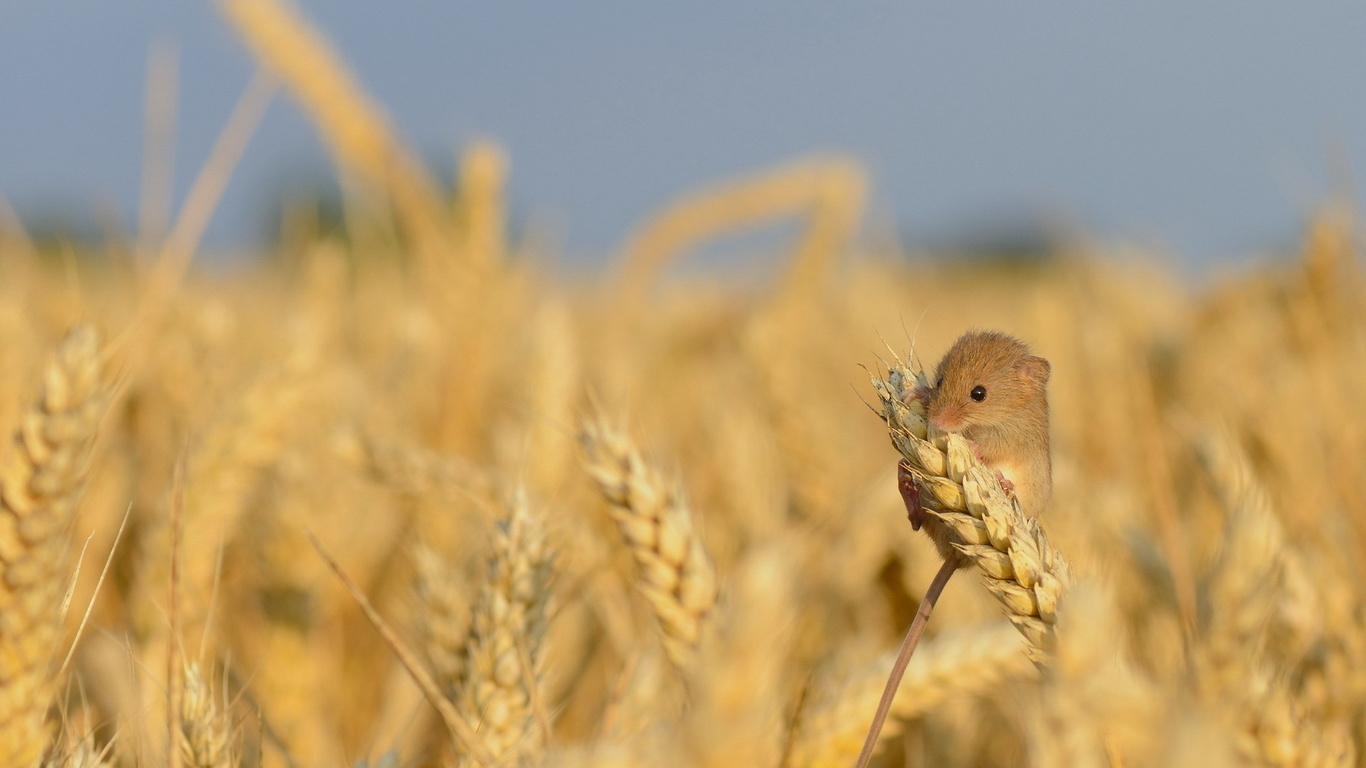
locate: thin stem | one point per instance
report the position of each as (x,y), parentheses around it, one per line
(922,617)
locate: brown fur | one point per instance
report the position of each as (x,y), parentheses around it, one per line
(1010,426)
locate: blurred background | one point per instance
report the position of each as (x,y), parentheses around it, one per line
(454,287)
(1206,131)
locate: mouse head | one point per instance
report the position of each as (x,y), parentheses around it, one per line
(987,379)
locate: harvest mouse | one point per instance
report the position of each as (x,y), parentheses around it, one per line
(992,391)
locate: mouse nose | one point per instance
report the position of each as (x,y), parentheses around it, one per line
(947,420)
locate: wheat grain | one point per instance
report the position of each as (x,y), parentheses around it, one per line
(742,681)
(415,470)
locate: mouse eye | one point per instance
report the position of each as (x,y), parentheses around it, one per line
(939,383)
(978,393)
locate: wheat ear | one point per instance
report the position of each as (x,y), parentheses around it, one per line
(675,573)
(207,737)
(83,755)
(1244,592)
(40,483)
(443,618)
(1025,573)
(507,630)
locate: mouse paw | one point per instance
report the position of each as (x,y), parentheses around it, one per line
(919,393)
(1006,485)
(910,494)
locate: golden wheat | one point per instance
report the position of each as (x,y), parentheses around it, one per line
(961,663)
(499,688)
(675,574)
(207,735)
(83,755)
(1245,596)
(41,483)
(1097,709)
(359,133)
(1019,567)
(443,617)
(1219,622)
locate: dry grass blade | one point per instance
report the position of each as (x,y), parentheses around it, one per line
(674,572)
(461,731)
(90,606)
(1019,567)
(40,484)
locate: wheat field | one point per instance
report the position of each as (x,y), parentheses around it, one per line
(408,494)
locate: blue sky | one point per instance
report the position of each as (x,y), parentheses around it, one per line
(1205,127)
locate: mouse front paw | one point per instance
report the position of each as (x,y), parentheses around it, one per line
(918,393)
(1006,485)
(910,494)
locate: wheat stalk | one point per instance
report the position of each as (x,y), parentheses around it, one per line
(964,663)
(507,630)
(674,572)
(1018,565)
(40,484)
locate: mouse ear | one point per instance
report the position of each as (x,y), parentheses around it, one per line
(1035,369)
